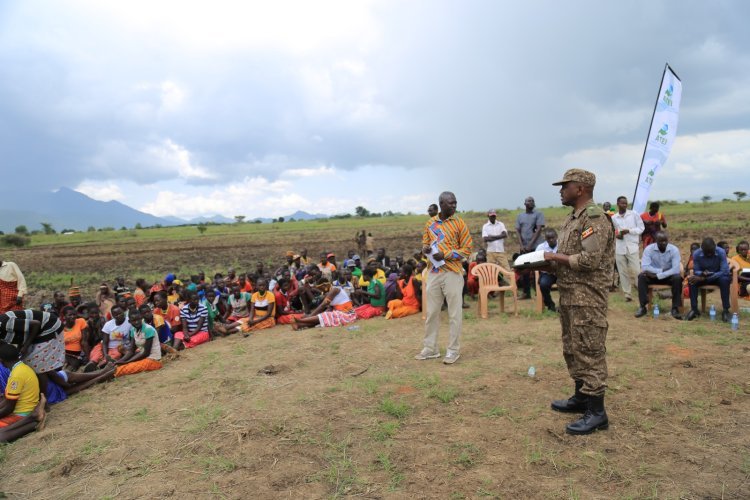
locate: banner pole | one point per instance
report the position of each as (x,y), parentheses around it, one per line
(645,146)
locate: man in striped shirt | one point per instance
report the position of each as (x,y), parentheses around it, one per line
(446,241)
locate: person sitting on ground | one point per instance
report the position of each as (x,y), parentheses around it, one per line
(237,305)
(742,260)
(94,324)
(326,268)
(344,279)
(357,267)
(710,267)
(65,383)
(384,262)
(140,294)
(375,292)
(144,352)
(261,315)
(546,278)
(105,299)
(244,284)
(653,221)
(391,287)
(169,312)
(22,407)
(211,301)
(76,338)
(157,322)
(310,294)
(660,265)
(120,287)
(162,286)
(378,273)
(59,302)
(194,319)
(336,309)
(74,294)
(113,334)
(284,312)
(410,300)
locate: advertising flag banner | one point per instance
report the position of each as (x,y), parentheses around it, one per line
(661,136)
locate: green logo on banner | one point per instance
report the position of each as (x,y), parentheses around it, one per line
(661,135)
(667,97)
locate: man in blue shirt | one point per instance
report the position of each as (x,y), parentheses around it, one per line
(660,265)
(529,226)
(710,267)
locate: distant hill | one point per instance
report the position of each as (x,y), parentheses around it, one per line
(69,209)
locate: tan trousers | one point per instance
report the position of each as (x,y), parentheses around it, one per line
(629,267)
(449,286)
(498,258)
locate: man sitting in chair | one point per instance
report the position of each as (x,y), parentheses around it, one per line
(660,265)
(547,279)
(710,267)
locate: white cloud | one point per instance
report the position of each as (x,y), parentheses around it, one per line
(310,172)
(102,191)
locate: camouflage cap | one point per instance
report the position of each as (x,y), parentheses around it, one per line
(577,175)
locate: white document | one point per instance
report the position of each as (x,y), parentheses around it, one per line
(530,259)
(435,263)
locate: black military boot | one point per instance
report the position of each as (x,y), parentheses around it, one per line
(574,404)
(594,419)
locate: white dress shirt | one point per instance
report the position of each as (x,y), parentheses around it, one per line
(496,229)
(634,224)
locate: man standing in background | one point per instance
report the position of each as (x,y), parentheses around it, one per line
(628,230)
(494,234)
(529,226)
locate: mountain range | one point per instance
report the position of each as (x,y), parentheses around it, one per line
(69,209)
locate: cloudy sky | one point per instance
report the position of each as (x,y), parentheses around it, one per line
(262,108)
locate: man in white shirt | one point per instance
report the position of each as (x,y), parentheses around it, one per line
(628,230)
(547,279)
(494,234)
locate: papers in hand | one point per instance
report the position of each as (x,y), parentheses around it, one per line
(531,259)
(435,263)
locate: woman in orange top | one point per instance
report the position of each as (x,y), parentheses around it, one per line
(409,303)
(76,332)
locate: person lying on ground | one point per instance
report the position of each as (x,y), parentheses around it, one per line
(335,309)
(375,292)
(76,335)
(194,316)
(409,291)
(22,405)
(144,353)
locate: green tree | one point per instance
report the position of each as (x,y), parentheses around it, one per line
(22,229)
(202,228)
(705,198)
(281,219)
(91,229)
(47,228)
(740,195)
(138,226)
(362,212)
(239,219)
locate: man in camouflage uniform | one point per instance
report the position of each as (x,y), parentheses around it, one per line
(583,263)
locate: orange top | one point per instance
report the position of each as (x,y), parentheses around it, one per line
(408,292)
(74,335)
(344,307)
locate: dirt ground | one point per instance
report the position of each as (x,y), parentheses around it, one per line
(338,413)
(332,413)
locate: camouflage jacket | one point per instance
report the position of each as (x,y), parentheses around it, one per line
(588,238)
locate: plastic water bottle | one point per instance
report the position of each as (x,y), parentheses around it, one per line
(532,371)
(735,322)
(656,311)
(712,313)
(353,328)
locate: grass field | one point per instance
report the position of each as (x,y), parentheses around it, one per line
(335,413)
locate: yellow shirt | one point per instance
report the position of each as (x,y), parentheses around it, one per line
(23,388)
(379,276)
(744,264)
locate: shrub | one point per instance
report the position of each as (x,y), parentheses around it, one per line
(16,240)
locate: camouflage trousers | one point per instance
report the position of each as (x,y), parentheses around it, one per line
(584,335)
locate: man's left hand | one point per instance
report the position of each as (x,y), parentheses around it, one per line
(438,256)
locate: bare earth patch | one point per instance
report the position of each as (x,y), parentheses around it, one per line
(332,413)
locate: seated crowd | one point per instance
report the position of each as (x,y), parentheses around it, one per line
(70,344)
